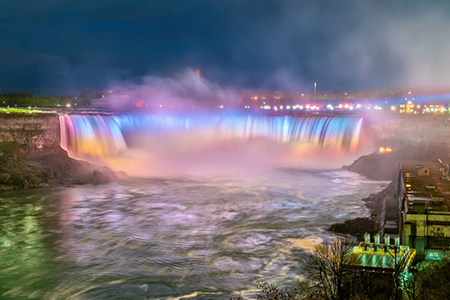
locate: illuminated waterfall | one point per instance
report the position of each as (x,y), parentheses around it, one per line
(91,135)
(105,136)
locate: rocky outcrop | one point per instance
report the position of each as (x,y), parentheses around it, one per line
(356,227)
(383,166)
(49,170)
(30,135)
(30,155)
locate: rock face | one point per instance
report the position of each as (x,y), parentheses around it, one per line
(49,170)
(383,166)
(30,155)
(356,227)
(31,135)
(410,129)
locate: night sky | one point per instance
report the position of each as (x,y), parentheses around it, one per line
(65,46)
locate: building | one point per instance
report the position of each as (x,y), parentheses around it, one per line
(424,204)
(408,108)
(381,256)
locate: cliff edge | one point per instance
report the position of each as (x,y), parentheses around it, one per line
(30,155)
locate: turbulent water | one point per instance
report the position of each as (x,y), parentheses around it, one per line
(216,217)
(170,238)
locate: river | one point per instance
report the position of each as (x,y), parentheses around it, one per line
(170,238)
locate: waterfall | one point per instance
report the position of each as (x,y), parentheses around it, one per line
(91,135)
(105,136)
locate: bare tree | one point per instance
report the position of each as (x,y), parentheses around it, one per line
(270,291)
(328,272)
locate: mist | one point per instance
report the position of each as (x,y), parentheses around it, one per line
(177,157)
(183,127)
(184,91)
(203,144)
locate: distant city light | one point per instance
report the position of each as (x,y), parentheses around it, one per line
(385,149)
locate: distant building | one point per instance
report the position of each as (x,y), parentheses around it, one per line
(408,108)
(423,172)
(424,205)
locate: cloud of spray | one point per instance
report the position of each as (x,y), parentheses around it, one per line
(202,151)
(189,89)
(177,155)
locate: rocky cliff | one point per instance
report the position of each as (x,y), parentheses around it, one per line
(30,155)
(31,135)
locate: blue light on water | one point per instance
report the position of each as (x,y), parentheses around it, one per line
(106,135)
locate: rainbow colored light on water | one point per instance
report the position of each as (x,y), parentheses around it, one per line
(105,136)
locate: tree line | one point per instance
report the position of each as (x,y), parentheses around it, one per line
(28,99)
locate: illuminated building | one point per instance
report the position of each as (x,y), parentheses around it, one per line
(423,198)
(434,108)
(381,257)
(407,108)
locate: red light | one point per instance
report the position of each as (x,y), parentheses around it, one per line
(139,104)
(198,71)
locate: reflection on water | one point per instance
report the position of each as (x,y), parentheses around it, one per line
(169,238)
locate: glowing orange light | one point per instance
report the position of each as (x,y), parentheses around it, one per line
(385,150)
